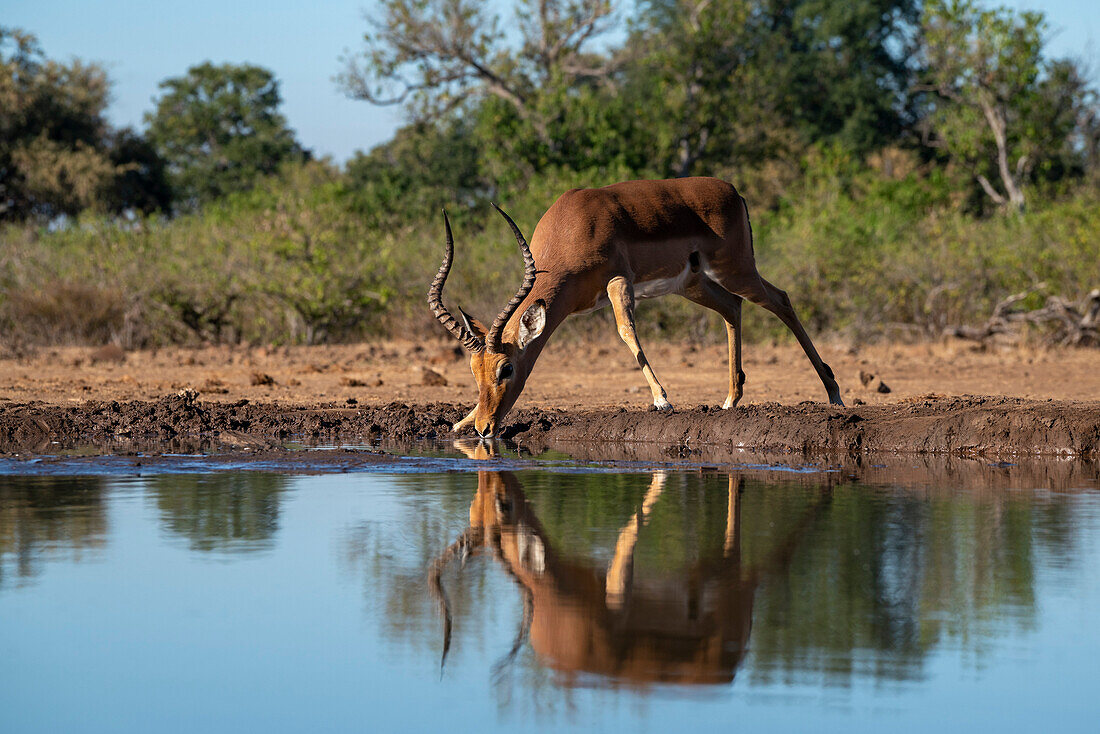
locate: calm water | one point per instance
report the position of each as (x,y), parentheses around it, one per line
(646,601)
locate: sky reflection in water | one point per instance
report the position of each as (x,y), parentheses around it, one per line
(650,601)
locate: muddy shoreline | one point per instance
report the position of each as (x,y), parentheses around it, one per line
(994,427)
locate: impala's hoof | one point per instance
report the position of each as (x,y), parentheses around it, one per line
(662,406)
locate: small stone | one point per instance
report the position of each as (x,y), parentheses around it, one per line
(432,378)
(213,386)
(865,378)
(262,378)
(882,387)
(448,355)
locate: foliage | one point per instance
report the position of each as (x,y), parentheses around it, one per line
(435,55)
(696,85)
(1002,108)
(58,156)
(423,169)
(873,254)
(867,137)
(219,129)
(728,80)
(869,249)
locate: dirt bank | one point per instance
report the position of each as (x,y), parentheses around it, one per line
(995,427)
(584,398)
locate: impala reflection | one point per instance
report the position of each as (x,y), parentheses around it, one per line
(584,619)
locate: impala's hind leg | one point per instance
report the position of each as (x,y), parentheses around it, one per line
(713,296)
(621,294)
(767,295)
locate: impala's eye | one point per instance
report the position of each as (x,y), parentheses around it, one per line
(505,371)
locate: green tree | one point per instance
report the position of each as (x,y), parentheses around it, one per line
(443,58)
(706,98)
(141,178)
(424,167)
(1001,107)
(435,55)
(739,81)
(219,129)
(698,86)
(845,68)
(52,132)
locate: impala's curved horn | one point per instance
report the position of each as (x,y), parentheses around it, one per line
(494,337)
(435,297)
(471,538)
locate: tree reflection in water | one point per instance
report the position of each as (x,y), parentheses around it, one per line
(227,513)
(43,518)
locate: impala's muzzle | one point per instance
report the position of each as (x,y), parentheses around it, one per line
(489,431)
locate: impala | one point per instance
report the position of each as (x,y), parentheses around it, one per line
(613,245)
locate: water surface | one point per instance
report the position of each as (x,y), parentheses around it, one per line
(649,601)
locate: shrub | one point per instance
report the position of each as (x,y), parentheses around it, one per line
(864,251)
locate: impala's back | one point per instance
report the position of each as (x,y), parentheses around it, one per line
(647,230)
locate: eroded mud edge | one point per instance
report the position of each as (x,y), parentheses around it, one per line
(995,427)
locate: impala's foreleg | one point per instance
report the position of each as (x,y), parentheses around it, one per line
(621,294)
(465,421)
(620,572)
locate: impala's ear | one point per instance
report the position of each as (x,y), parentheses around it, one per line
(531,324)
(474,326)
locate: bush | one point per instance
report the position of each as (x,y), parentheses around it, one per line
(864,251)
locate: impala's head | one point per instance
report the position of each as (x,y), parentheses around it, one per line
(497,363)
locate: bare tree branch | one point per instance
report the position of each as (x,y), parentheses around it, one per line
(432,55)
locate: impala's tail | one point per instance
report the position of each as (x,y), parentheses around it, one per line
(748,224)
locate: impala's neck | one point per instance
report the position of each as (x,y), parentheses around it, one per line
(557,310)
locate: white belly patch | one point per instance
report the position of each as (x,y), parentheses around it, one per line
(662,286)
(648,289)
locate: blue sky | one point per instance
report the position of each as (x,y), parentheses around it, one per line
(142,43)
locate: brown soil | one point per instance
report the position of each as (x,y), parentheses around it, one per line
(1042,401)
